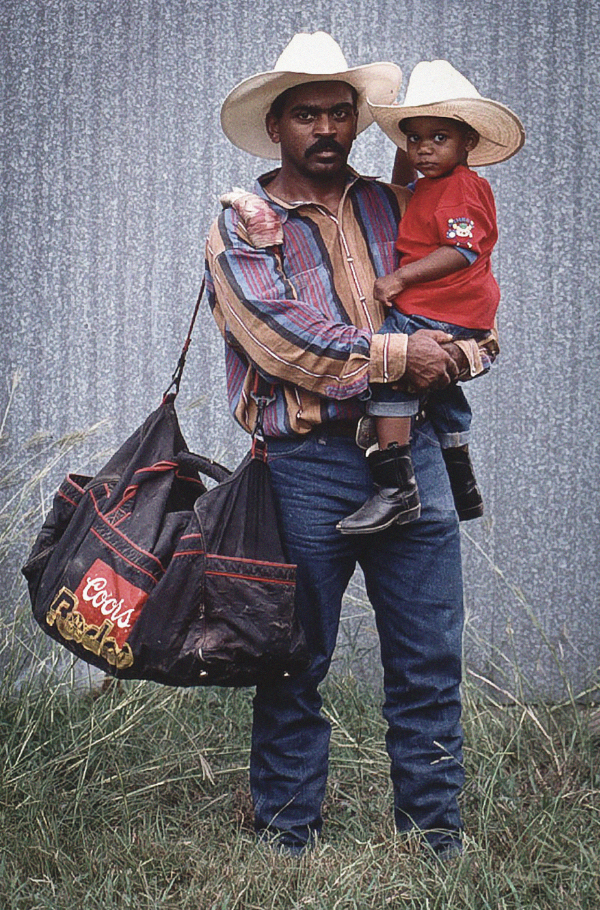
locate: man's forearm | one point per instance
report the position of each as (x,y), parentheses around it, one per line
(286,338)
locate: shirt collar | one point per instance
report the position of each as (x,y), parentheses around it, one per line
(284,208)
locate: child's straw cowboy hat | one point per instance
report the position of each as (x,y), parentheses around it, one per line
(307,58)
(436,89)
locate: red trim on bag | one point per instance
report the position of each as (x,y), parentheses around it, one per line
(127,495)
(120,533)
(69,478)
(188,553)
(70,501)
(190,536)
(124,558)
(255,562)
(275,581)
(159,466)
(195,480)
(115,524)
(163,466)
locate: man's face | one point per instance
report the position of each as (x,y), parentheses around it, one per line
(436,145)
(316,129)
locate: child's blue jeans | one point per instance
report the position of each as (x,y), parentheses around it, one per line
(447,409)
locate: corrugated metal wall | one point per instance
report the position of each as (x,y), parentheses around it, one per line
(112,161)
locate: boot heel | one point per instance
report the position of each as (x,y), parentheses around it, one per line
(409,516)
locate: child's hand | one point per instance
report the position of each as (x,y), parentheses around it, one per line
(386,289)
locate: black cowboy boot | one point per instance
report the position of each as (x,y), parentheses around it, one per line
(467,497)
(396,498)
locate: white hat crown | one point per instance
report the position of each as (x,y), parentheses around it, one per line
(316,54)
(432,81)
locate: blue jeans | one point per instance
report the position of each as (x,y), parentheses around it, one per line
(413,580)
(448,409)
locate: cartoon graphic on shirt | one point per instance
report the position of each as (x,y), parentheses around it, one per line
(460,229)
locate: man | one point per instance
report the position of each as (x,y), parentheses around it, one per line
(291,289)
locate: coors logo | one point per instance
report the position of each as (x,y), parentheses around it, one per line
(102,594)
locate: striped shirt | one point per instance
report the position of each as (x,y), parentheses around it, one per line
(302,312)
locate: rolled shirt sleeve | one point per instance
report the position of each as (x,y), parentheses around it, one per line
(480,354)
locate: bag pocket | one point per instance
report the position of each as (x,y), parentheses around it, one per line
(248,613)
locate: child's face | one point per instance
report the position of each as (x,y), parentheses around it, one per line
(436,145)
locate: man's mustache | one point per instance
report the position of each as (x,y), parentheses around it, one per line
(324,145)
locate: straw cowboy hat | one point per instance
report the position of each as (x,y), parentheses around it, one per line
(307,58)
(436,89)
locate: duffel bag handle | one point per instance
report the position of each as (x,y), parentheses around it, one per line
(203,465)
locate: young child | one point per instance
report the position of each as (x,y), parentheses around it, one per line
(444,282)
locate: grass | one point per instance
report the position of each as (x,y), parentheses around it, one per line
(137,796)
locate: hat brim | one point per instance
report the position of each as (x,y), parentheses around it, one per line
(501,133)
(245,108)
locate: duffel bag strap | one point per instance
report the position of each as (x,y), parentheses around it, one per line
(176,378)
(263,392)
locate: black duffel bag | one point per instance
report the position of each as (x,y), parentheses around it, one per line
(147,574)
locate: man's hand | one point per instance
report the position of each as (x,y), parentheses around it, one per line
(458,356)
(428,364)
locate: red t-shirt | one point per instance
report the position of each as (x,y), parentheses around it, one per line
(456,210)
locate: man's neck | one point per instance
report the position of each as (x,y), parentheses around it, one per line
(295,188)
